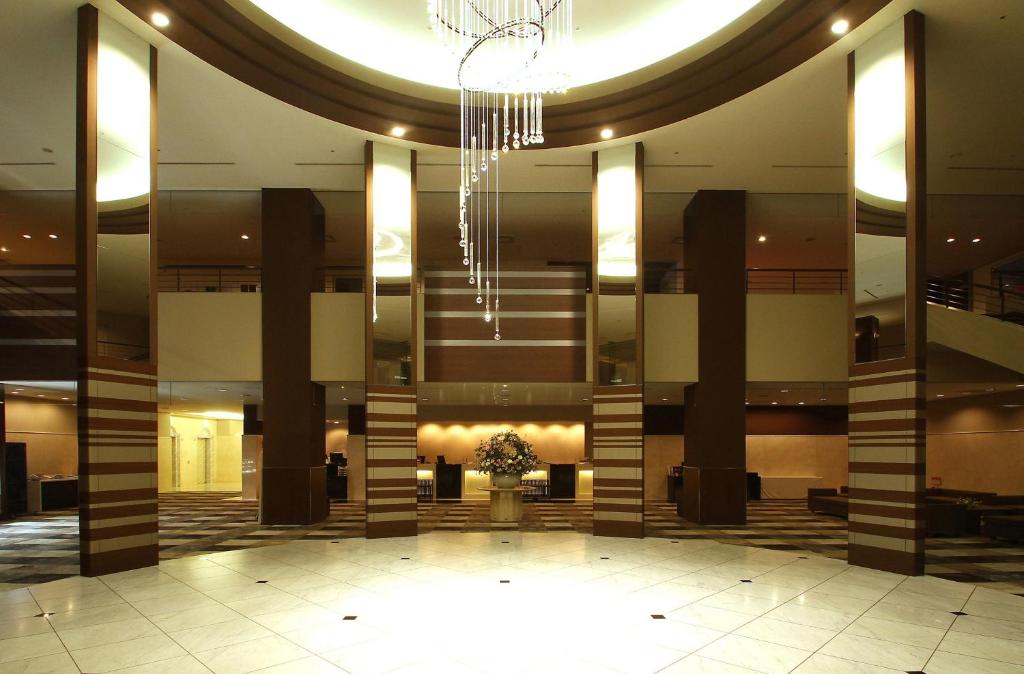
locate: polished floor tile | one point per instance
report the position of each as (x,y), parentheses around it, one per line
(437,602)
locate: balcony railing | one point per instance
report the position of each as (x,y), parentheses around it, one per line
(995,302)
(658,280)
(244,279)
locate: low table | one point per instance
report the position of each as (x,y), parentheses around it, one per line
(506,503)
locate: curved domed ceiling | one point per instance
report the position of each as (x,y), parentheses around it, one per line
(611,38)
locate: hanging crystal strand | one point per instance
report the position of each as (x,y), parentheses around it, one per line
(483,139)
(540,119)
(515,136)
(494,127)
(526,119)
(497,252)
(504,147)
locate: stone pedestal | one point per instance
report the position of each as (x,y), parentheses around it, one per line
(506,503)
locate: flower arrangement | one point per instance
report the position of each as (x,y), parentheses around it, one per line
(506,453)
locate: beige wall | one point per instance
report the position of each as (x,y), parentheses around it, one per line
(210,337)
(980,336)
(553,442)
(50,434)
(796,338)
(789,338)
(670,338)
(338,337)
(226,439)
(660,452)
(337,438)
(975,443)
(823,456)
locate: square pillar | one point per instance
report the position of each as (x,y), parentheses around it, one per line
(714,250)
(294,478)
(115,224)
(886,232)
(618,291)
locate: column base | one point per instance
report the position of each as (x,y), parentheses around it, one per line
(395,529)
(618,529)
(713,495)
(293,495)
(880,559)
(115,561)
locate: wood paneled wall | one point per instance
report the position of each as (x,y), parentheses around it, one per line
(38,322)
(543,328)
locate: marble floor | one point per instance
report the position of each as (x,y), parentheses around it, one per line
(556,602)
(44,547)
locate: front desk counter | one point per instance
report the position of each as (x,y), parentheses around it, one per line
(462,481)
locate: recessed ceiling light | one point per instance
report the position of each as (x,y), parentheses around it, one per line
(222,390)
(822,399)
(775,402)
(785,390)
(398,131)
(40,395)
(607,134)
(801,403)
(976,239)
(762,238)
(65,398)
(53,236)
(26,236)
(245,237)
(951,239)
(940,395)
(664,400)
(3,249)
(840,27)
(160,20)
(1019,386)
(344,398)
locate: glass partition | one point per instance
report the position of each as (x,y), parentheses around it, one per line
(880,177)
(123,185)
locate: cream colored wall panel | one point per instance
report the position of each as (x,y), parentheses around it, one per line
(796,338)
(980,336)
(210,337)
(670,338)
(338,337)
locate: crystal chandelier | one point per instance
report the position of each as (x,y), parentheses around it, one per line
(510,53)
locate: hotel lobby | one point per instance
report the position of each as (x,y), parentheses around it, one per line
(512,336)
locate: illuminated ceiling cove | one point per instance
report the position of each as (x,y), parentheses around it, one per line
(611,39)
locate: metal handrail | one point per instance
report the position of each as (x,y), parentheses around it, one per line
(244,278)
(995,302)
(659,280)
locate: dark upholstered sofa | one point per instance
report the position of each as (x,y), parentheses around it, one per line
(828,501)
(1007,527)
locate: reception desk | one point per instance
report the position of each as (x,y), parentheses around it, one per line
(432,479)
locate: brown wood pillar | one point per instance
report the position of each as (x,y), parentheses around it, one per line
(294,479)
(714,251)
(887,213)
(116,334)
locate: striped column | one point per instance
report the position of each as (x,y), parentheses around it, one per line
(887,467)
(117,431)
(38,322)
(390,461)
(619,461)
